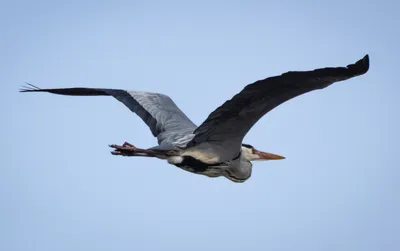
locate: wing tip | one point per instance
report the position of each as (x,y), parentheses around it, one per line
(29,88)
(361,66)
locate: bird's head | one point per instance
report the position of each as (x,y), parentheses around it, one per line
(250,153)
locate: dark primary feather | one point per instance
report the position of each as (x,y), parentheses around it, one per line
(165,120)
(229,123)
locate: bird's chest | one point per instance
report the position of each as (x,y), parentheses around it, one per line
(193,165)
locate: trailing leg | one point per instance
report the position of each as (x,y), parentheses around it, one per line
(130,150)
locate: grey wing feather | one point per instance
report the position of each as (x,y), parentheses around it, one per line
(164,118)
(224,129)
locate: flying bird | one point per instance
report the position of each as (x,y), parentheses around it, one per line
(215,148)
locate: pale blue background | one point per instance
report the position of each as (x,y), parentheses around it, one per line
(60,189)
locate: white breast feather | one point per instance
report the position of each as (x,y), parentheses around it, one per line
(204,157)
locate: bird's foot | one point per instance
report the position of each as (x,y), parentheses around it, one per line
(128,144)
(126,149)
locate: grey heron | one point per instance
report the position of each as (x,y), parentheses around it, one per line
(215,148)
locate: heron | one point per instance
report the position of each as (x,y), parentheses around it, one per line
(215,148)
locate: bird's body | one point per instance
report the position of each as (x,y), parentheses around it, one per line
(199,162)
(215,148)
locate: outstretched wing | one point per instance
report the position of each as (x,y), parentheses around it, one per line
(165,120)
(225,128)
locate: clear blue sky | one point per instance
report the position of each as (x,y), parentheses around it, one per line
(60,189)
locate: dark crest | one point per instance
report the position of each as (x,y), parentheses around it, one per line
(248,146)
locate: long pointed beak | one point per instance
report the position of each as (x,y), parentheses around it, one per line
(269,156)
